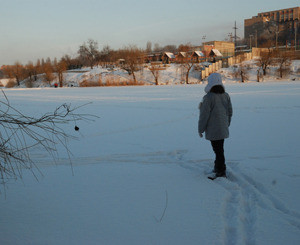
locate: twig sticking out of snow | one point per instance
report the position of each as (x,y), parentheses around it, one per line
(163,214)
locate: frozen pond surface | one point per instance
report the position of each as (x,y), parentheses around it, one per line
(140,170)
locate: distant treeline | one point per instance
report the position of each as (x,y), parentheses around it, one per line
(88,55)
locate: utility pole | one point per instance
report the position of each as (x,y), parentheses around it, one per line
(296,30)
(203,41)
(256,38)
(276,33)
(235,28)
(251,41)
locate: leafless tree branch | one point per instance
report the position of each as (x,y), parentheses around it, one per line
(19,133)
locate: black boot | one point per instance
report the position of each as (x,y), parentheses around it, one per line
(221,174)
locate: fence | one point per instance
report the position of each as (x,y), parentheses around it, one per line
(239,58)
(225,63)
(211,69)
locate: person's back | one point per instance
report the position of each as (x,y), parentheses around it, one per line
(215,118)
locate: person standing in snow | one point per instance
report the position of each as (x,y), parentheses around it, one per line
(215,118)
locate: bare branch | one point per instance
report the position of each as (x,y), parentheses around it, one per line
(19,133)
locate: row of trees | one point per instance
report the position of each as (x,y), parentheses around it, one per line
(280,60)
(88,55)
(32,71)
(130,58)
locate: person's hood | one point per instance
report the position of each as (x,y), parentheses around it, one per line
(213,80)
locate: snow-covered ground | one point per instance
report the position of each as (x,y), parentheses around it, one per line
(140,170)
(172,75)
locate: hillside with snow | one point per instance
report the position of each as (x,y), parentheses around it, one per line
(170,74)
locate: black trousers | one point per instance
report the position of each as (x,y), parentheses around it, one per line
(218,147)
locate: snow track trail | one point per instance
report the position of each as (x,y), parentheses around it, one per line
(239,211)
(265,200)
(244,197)
(238,208)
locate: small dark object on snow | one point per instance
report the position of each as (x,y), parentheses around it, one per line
(76,128)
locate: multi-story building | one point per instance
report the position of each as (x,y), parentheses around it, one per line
(280,26)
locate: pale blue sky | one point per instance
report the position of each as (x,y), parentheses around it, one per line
(32,29)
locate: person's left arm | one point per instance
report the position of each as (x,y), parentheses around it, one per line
(205,108)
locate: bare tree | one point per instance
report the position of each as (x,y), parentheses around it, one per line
(170,48)
(241,72)
(266,56)
(20,133)
(38,69)
(60,67)
(184,47)
(48,72)
(148,47)
(19,72)
(7,71)
(155,69)
(89,52)
(157,47)
(2,72)
(16,71)
(283,60)
(30,70)
(185,60)
(72,63)
(265,60)
(105,54)
(134,58)
(42,62)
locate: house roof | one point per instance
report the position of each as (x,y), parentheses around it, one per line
(199,53)
(216,52)
(183,54)
(170,55)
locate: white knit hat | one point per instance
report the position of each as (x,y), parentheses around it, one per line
(213,80)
